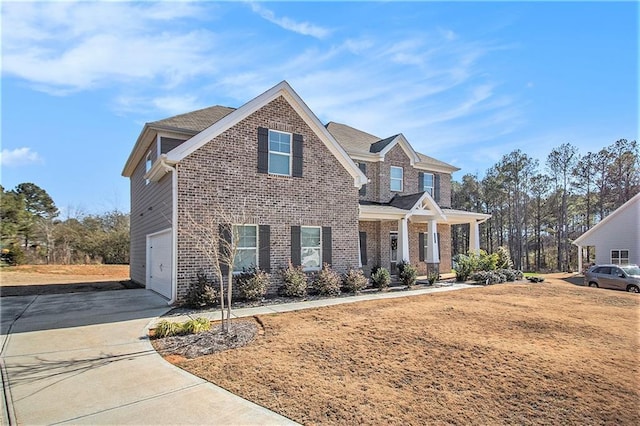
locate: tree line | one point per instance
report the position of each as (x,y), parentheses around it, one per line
(32,231)
(538,210)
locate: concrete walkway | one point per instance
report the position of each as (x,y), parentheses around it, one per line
(83,358)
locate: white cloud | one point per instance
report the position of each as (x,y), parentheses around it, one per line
(304,28)
(65,47)
(19,157)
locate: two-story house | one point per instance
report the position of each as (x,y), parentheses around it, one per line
(308,193)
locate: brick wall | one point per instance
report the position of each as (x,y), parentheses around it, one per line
(222,176)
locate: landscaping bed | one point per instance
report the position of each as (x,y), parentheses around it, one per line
(502,354)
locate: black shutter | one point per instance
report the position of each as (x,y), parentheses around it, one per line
(297,155)
(326,245)
(363,248)
(264,255)
(225,245)
(436,188)
(263,150)
(420,181)
(363,169)
(295,246)
(421,246)
(438,240)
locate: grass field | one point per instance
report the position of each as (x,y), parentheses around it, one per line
(551,353)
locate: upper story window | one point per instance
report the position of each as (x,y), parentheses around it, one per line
(148,164)
(246,257)
(620,257)
(396,178)
(311,246)
(279,153)
(427,183)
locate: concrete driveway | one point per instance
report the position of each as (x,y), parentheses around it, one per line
(83,358)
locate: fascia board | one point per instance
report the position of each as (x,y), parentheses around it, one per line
(137,152)
(436,168)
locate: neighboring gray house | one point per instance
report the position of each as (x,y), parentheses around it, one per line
(616,238)
(314,193)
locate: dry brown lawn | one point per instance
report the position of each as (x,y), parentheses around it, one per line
(549,353)
(47,279)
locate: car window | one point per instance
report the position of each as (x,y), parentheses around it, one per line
(617,272)
(631,270)
(603,270)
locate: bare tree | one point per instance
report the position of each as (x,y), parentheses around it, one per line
(215,238)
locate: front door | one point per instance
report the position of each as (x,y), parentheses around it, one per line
(393,252)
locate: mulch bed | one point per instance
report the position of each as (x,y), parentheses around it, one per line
(241,333)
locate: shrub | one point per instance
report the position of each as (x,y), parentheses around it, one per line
(432,277)
(354,281)
(381,278)
(294,282)
(504,258)
(252,284)
(326,282)
(196,325)
(519,275)
(465,265)
(167,328)
(408,274)
(509,274)
(487,277)
(200,293)
(486,261)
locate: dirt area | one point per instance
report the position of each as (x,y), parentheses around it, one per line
(550,353)
(50,279)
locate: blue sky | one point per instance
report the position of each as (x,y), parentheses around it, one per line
(465,82)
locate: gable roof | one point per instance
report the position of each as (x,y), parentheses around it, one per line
(584,237)
(286,91)
(365,146)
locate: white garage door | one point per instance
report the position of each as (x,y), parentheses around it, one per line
(159,263)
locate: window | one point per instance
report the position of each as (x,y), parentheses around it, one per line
(148,164)
(396,178)
(311,249)
(620,257)
(427,183)
(247,247)
(279,153)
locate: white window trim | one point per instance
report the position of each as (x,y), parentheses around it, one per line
(311,269)
(433,182)
(391,179)
(256,248)
(619,257)
(269,152)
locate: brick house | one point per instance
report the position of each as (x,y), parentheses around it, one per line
(307,192)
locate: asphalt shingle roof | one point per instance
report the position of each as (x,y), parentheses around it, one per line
(405,202)
(194,121)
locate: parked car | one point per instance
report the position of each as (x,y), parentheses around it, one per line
(618,277)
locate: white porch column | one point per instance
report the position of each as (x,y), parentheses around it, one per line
(474,236)
(432,243)
(403,240)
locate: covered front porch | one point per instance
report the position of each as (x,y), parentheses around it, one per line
(414,229)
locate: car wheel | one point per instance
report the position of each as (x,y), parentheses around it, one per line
(592,284)
(633,289)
